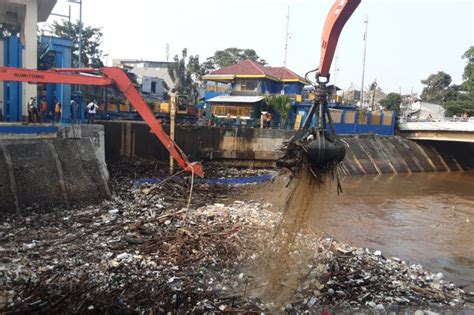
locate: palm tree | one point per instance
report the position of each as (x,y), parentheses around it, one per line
(280,104)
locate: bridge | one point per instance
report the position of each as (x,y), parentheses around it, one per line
(457,131)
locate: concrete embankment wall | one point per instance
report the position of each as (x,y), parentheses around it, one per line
(392,155)
(365,154)
(47,173)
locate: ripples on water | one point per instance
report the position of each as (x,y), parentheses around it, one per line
(425,218)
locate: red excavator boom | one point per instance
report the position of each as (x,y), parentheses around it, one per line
(337,17)
(103,77)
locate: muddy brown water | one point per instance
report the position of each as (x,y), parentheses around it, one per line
(423,218)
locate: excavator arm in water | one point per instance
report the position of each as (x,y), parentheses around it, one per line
(103,77)
(322,149)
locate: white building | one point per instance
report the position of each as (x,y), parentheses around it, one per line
(426,111)
(27,13)
(146,68)
(152,87)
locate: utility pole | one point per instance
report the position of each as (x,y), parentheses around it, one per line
(287,36)
(334,89)
(167,51)
(366,21)
(173,100)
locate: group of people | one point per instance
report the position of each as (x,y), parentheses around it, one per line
(37,113)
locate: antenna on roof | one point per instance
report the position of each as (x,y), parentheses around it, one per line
(287,36)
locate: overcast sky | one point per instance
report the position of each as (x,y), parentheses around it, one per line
(407,39)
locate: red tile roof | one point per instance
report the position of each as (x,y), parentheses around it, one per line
(252,68)
(284,74)
(246,67)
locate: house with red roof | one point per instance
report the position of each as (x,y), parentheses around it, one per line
(246,85)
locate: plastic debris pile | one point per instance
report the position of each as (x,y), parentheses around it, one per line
(126,259)
(144,252)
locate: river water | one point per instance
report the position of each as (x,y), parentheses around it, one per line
(423,218)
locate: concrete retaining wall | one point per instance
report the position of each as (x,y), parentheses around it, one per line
(392,155)
(47,173)
(365,154)
(129,139)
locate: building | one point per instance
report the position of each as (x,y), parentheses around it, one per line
(146,68)
(425,111)
(27,13)
(152,87)
(244,86)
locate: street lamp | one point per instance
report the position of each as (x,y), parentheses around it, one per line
(79,60)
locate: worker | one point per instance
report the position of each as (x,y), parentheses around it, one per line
(268,120)
(228,120)
(29,106)
(238,121)
(43,109)
(91,111)
(33,115)
(74,112)
(57,110)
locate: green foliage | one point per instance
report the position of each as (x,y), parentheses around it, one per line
(392,102)
(456,99)
(184,72)
(463,104)
(151,105)
(437,88)
(229,56)
(280,104)
(91,41)
(468,74)
(7,30)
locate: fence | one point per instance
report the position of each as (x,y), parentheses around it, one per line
(348,122)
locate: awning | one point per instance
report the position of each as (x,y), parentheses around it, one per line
(219,77)
(235,99)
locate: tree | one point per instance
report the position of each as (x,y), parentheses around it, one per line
(392,102)
(7,30)
(281,104)
(91,41)
(184,72)
(464,100)
(229,56)
(468,74)
(437,88)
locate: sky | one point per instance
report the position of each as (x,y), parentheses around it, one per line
(407,40)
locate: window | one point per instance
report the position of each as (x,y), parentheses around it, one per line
(246,85)
(221,110)
(153,87)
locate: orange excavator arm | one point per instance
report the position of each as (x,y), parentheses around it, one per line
(337,17)
(110,76)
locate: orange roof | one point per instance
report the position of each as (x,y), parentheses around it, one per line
(285,74)
(249,68)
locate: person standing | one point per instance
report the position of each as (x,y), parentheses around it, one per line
(29,105)
(57,111)
(73,108)
(91,111)
(34,110)
(43,109)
